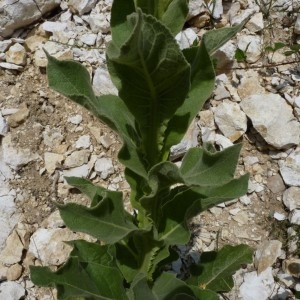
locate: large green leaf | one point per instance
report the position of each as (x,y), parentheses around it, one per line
(120,27)
(73,81)
(90,272)
(187,202)
(203,168)
(175,15)
(216,268)
(202,85)
(118,117)
(167,287)
(140,253)
(106,220)
(153,79)
(140,289)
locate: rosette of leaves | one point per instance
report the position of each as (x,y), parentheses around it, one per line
(161,89)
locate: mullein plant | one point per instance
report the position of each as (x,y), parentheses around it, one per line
(160,90)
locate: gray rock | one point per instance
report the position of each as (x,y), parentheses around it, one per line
(76,120)
(290,168)
(4,45)
(297,25)
(11,290)
(231,120)
(52,136)
(83,142)
(8,214)
(9,66)
(3,126)
(77,159)
(294,217)
(21,13)
(273,118)
(291,198)
(104,167)
(275,184)
(89,39)
(266,254)
(256,23)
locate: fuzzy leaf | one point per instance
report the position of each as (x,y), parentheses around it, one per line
(175,15)
(106,220)
(202,85)
(203,168)
(216,268)
(167,286)
(153,79)
(90,272)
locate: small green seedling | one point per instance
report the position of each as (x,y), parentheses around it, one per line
(161,89)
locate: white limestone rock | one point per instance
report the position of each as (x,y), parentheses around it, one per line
(16,157)
(83,142)
(4,45)
(266,254)
(52,161)
(9,66)
(76,119)
(195,8)
(11,290)
(54,26)
(48,245)
(256,23)
(81,6)
(260,286)
(186,38)
(3,126)
(89,39)
(291,198)
(21,13)
(273,118)
(252,45)
(8,213)
(290,168)
(294,217)
(104,166)
(77,158)
(231,120)
(102,84)
(82,171)
(98,22)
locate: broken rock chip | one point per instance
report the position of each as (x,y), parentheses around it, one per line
(291,198)
(16,54)
(104,167)
(266,254)
(81,6)
(290,168)
(18,117)
(273,118)
(52,160)
(231,120)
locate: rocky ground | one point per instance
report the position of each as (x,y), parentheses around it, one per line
(45,137)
